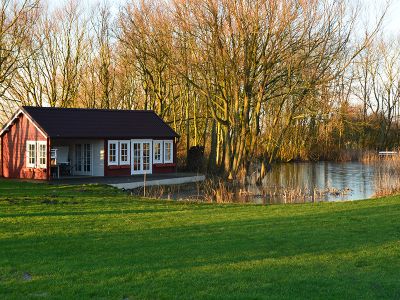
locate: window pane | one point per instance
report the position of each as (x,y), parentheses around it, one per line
(113,152)
(87,157)
(124,152)
(136,157)
(78,157)
(32,154)
(146,156)
(168,151)
(42,154)
(157,151)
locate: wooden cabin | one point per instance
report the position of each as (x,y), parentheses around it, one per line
(45,143)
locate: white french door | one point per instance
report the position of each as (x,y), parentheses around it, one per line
(83,159)
(141,157)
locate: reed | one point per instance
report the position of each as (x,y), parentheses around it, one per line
(349,155)
(387,181)
(365,156)
(386,185)
(374,157)
(290,195)
(217,190)
(220,191)
(369,157)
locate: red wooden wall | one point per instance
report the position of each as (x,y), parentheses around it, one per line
(13,145)
(166,168)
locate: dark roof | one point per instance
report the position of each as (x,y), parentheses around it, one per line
(99,123)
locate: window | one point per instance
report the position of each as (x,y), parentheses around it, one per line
(168,152)
(36,154)
(112,153)
(30,154)
(42,154)
(157,150)
(124,152)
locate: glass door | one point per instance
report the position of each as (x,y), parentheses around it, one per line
(141,157)
(78,158)
(83,159)
(87,158)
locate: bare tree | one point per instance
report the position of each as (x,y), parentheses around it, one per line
(15,32)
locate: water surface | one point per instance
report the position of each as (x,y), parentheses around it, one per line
(327,181)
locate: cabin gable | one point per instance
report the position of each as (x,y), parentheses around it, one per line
(14,141)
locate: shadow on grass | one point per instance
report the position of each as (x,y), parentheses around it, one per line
(245,258)
(268,236)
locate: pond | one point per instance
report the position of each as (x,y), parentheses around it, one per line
(295,183)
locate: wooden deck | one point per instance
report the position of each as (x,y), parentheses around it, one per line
(132,182)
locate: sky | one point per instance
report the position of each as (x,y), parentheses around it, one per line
(369,10)
(393,22)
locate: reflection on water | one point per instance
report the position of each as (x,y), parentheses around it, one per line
(326,181)
(294,183)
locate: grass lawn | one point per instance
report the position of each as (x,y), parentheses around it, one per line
(97,242)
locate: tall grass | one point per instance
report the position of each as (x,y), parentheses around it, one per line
(387,184)
(365,156)
(387,181)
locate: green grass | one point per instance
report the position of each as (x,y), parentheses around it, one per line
(97,242)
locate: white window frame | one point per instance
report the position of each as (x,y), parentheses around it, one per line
(28,163)
(38,157)
(161,143)
(128,147)
(113,163)
(171,160)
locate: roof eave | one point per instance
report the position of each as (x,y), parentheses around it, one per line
(20,111)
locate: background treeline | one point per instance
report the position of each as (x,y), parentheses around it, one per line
(250,80)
